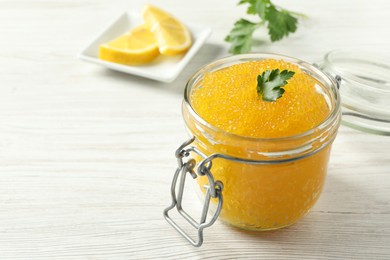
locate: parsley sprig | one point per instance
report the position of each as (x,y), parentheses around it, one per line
(280,23)
(270,83)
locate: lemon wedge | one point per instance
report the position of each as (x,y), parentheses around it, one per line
(136,47)
(171,35)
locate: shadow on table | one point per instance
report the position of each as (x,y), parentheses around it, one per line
(208,53)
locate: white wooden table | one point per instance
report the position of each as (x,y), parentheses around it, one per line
(86,154)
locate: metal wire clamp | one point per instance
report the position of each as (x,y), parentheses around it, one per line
(213,190)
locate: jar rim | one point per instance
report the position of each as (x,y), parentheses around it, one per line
(330,63)
(259,56)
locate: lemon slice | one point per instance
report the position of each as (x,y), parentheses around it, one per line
(172,36)
(136,47)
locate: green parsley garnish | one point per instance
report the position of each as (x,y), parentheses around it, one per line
(241,36)
(280,23)
(270,83)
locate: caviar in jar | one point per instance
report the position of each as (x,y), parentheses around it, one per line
(292,137)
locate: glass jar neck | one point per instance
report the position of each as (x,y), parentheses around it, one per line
(212,139)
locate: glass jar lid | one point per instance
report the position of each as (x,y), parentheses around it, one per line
(364,89)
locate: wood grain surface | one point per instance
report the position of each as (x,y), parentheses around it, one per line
(87,154)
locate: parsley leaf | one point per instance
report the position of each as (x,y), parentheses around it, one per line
(280,23)
(241,36)
(256,7)
(270,83)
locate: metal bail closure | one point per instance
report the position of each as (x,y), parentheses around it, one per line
(214,190)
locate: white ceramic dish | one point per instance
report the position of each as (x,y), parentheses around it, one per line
(164,69)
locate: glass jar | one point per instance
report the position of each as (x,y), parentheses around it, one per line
(254,183)
(365,88)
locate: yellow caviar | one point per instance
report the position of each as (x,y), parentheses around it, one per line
(228,100)
(268,196)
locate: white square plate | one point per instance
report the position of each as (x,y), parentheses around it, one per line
(164,69)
